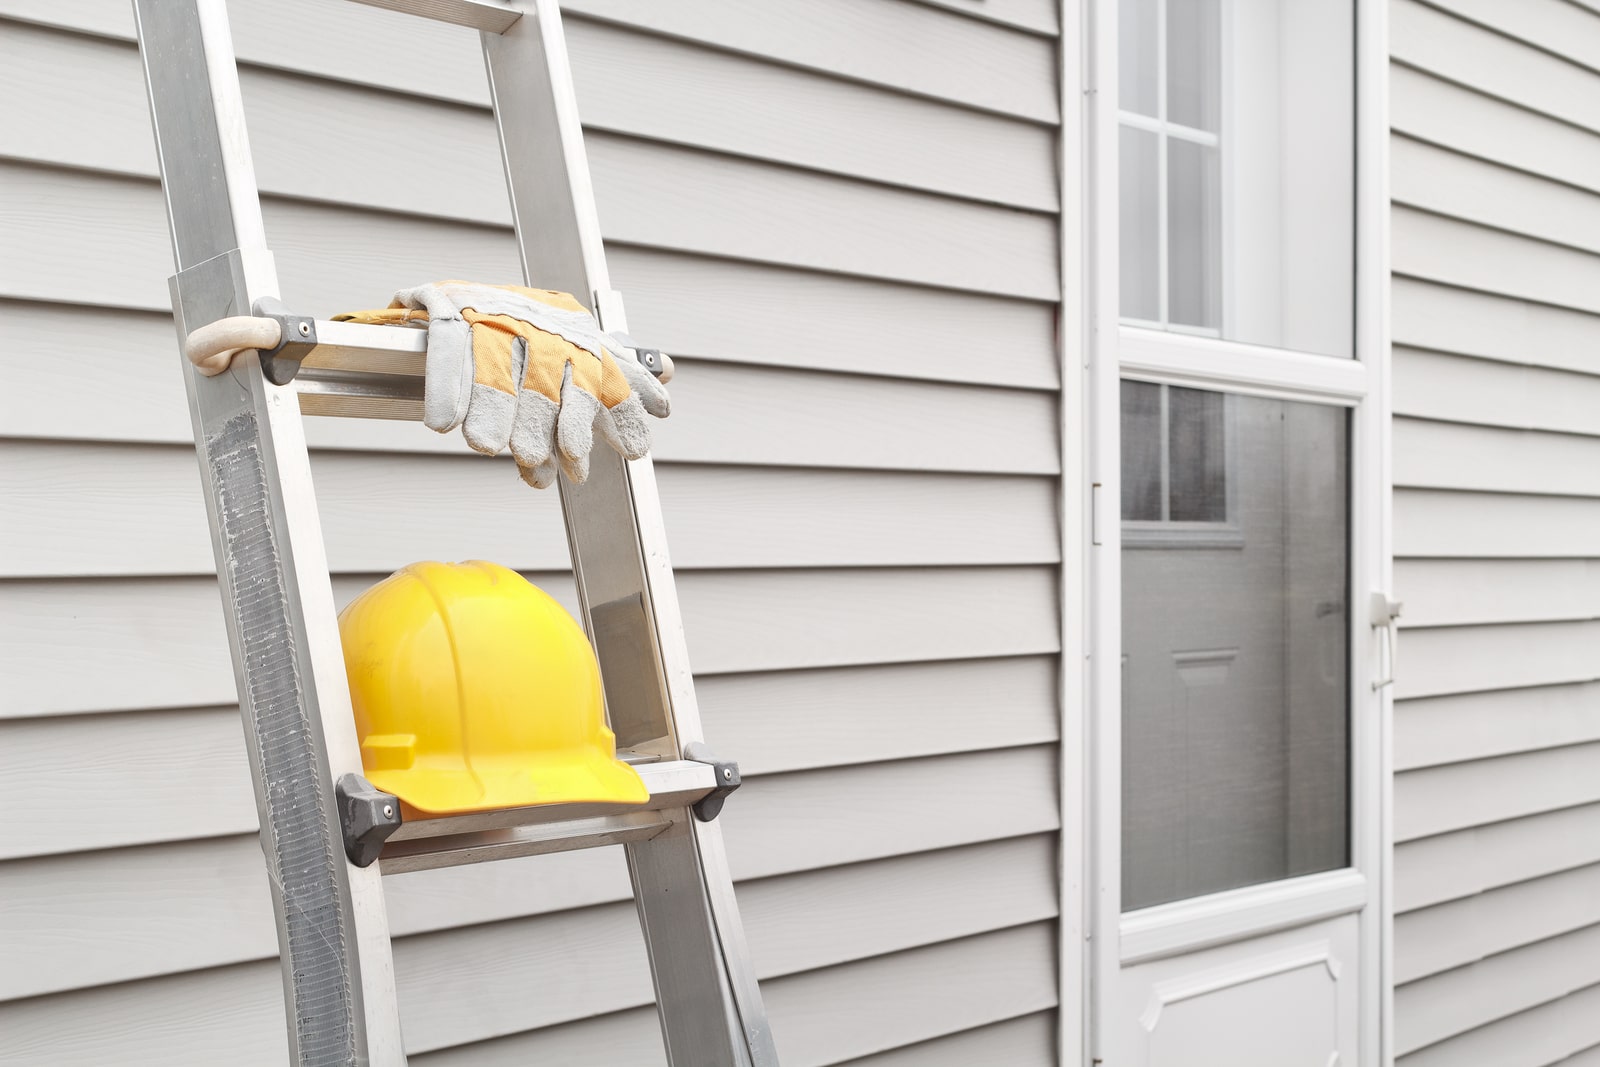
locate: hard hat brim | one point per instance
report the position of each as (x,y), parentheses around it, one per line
(574,777)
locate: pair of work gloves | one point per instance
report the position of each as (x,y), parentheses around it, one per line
(528,369)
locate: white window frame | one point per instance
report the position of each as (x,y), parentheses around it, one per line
(1179,533)
(1097,938)
(1165,130)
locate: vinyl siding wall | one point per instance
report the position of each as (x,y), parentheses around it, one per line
(1496,311)
(838,214)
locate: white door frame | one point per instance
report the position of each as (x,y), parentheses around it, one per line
(1095,938)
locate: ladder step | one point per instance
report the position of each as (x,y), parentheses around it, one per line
(362,371)
(449,841)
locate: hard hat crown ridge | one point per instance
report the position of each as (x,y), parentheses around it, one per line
(473,690)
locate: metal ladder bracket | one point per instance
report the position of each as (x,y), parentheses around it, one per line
(726,773)
(299,333)
(368,816)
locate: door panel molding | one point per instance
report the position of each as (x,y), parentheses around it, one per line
(1187,925)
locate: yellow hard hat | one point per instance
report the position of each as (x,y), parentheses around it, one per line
(474,690)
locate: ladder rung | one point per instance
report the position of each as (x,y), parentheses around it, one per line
(362,371)
(428,853)
(479,14)
(422,844)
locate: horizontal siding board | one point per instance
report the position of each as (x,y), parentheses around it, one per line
(160,642)
(232,1015)
(818,619)
(1455,729)
(633,1038)
(1459,863)
(927,53)
(1445,523)
(1441,249)
(138,777)
(790,822)
(1506,329)
(1436,1008)
(1435,800)
(1555,26)
(116,915)
(794,720)
(103,781)
(1026,1041)
(1442,455)
(1450,183)
(915,49)
(674,92)
(381,512)
(1447,388)
(1456,50)
(1556,1032)
(1470,659)
(1456,592)
(1455,116)
(655,195)
(1040,16)
(1474,928)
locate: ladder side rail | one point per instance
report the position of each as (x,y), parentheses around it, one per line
(337,967)
(623,571)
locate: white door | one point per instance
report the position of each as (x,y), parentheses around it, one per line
(1237,701)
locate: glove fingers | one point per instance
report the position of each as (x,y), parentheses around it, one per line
(651,393)
(540,476)
(533,431)
(493,404)
(575,429)
(625,428)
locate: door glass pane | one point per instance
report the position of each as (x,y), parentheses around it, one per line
(1194,255)
(1196,456)
(1235,741)
(1139,195)
(1141,451)
(1194,63)
(1137,56)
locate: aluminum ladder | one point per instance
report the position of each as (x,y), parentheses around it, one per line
(327,835)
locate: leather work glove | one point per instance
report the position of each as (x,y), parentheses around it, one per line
(528,368)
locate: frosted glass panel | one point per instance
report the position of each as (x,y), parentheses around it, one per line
(1137,56)
(1235,718)
(1139,204)
(1194,258)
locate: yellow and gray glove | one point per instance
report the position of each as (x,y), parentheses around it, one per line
(528,368)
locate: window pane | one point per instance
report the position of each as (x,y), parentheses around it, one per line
(1136,56)
(1141,451)
(1194,63)
(1194,255)
(1139,190)
(1260,158)
(1235,733)
(1196,456)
